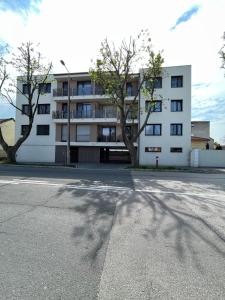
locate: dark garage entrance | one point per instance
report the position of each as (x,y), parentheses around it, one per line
(114,155)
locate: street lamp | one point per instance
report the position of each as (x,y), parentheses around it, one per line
(68,117)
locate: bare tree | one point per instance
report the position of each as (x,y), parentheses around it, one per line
(28,62)
(222,53)
(114,70)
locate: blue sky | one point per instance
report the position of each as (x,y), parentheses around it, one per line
(188,32)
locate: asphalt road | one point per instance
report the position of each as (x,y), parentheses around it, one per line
(111,234)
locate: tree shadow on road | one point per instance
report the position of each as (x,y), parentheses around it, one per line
(181,221)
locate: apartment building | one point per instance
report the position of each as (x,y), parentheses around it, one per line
(167,136)
(95,126)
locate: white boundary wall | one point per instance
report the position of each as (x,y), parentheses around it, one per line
(208,158)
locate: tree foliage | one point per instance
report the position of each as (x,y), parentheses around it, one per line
(115,69)
(28,63)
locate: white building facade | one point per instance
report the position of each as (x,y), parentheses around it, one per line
(95,129)
(167,137)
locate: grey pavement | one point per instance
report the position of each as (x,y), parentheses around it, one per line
(111,234)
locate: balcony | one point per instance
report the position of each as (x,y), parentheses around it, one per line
(90,91)
(92,114)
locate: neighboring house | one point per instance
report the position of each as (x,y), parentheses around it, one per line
(200,135)
(95,129)
(8,131)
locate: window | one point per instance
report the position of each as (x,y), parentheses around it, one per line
(64,133)
(176,105)
(25,109)
(24,129)
(84,110)
(176,81)
(153,129)
(44,88)
(153,149)
(42,129)
(129,89)
(176,149)
(83,133)
(158,83)
(128,131)
(43,109)
(108,134)
(65,88)
(176,129)
(25,88)
(154,106)
(84,88)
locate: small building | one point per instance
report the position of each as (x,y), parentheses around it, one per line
(200,135)
(8,132)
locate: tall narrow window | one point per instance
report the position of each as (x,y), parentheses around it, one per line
(64,133)
(176,129)
(176,105)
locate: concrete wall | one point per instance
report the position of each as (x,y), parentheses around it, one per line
(208,158)
(165,118)
(37,148)
(200,128)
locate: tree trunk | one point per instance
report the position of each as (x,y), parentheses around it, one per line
(133,154)
(11,154)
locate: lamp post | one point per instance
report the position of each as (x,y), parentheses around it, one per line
(68,117)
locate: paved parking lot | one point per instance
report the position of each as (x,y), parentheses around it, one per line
(111,234)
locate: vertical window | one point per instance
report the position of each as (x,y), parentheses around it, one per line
(84,88)
(176,129)
(64,133)
(176,105)
(43,109)
(129,89)
(24,129)
(154,106)
(26,88)
(158,83)
(65,88)
(44,88)
(176,81)
(42,129)
(84,110)
(83,133)
(153,129)
(25,109)
(108,134)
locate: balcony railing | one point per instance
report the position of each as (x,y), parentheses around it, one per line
(86,91)
(107,138)
(84,114)
(99,91)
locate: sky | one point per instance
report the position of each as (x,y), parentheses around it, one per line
(189,33)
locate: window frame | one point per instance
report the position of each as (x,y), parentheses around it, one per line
(24,110)
(153,149)
(173,149)
(46,111)
(156,101)
(43,88)
(176,124)
(22,128)
(178,78)
(25,88)
(41,133)
(155,124)
(176,101)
